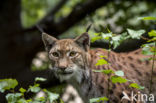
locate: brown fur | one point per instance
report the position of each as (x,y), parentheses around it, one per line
(90,84)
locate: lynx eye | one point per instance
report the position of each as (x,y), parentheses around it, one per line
(55,54)
(72,54)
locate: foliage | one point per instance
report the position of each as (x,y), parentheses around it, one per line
(118,16)
(101,62)
(6,84)
(118,79)
(135,85)
(40,79)
(148,18)
(152,33)
(135,34)
(100,99)
(119,73)
(148,49)
(151,48)
(13,97)
(18,97)
(118,13)
(115,40)
(67,8)
(33,11)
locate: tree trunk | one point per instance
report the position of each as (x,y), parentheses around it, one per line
(15,59)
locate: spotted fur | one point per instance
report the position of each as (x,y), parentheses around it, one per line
(77,70)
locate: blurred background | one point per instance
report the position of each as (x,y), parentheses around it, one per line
(22,53)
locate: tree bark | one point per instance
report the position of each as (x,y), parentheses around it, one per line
(9,22)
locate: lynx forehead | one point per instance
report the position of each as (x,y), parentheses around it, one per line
(65,45)
(73,61)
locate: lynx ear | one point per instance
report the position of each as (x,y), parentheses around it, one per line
(48,41)
(83,41)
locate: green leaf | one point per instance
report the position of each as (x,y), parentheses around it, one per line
(152,40)
(13,97)
(40,79)
(152,33)
(22,90)
(93,100)
(97,34)
(124,36)
(119,73)
(29,100)
(148,18)
(103,56)
(101,62)
(22,101)
(93,39)
(61,101)
(116,41)
(40,99)
(52,96)
(34,88)
(117,79)
(6,84)
(147,49)
(109,71)
(108,30)
(107,36)
(135,34)
(135,85)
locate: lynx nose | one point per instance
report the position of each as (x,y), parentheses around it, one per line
(63,68)
(63,64)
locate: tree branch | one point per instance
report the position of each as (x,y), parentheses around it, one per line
(79,12)
(49,17)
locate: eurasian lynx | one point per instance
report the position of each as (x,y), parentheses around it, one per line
(73,61)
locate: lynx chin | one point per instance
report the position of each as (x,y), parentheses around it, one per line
(72,61)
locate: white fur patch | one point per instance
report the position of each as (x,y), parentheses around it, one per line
(76,75)
(70,91)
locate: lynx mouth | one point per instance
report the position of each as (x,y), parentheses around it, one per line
(65,72)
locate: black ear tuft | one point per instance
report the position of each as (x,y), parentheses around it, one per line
(48,41)
(83,41)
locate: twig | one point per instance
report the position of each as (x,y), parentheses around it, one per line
(108,89)
(88,28)
(39,28)
(151,80)
(144,38)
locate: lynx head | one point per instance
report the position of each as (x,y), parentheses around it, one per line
(68,57)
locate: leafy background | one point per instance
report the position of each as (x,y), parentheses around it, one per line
(117,16)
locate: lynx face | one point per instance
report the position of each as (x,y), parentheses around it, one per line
(68,57)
